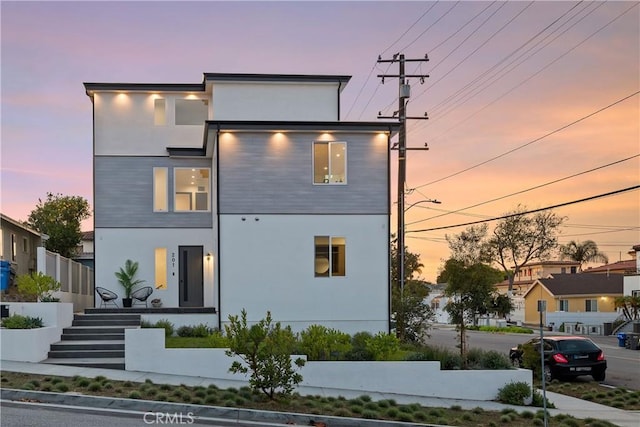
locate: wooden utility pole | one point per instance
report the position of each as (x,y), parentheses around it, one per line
(404,92)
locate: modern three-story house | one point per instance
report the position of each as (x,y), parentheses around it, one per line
(245,191)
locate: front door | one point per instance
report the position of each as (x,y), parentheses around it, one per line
(191,276)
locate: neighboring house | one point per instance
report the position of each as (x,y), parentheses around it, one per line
(18,245)
(84,251)
(632,280)
(245,191)
(532,271)
(573,293)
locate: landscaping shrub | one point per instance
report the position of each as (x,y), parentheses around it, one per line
(359,349)
(167,325)
(18,321)
(321,343)
(514,393)
(198,331)
(383,345)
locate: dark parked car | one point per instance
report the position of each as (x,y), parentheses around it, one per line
(566,356)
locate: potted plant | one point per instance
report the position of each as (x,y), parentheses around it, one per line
(126,277)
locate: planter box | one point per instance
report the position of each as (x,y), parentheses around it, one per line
(145,351)
(27,345)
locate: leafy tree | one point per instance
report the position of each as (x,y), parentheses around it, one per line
(265,349)
(412,315)
(582,252)
(630,306)
(59,217)
(470,246)
(37,286)
(471,289)
(520,238)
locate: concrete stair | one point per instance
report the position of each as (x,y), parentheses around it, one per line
(94,341)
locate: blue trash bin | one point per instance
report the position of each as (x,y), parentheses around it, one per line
(5,273)
(622,338)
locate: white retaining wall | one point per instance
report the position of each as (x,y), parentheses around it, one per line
(33,345)
(145,351)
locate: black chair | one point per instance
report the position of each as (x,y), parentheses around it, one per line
(141,295)
(107,297)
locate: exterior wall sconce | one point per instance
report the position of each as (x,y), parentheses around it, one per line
(209,256)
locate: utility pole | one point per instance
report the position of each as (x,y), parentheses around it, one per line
(404,92)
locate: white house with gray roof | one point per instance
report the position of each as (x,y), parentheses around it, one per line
(245,191)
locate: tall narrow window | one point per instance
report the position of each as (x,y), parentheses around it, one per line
(563,305)
(191,189)
(14,247)
(329,162)
(160,190)
(159,112)
(330,256)
(161,268)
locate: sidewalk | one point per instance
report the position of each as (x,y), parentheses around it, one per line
(564,404)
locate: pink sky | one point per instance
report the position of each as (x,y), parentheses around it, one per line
(516,72)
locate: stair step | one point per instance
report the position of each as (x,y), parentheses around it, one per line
(88,345)
(83,354)
(106,363)
(92,337)
(108,322)
(132,317)
(94,330)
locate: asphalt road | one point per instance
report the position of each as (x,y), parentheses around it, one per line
(623,365)
(17,414)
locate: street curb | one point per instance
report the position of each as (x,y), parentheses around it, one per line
(236,415)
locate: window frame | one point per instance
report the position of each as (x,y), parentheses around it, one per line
(589,305)
(563,303)
(332,253)
(328,161)
(192,195)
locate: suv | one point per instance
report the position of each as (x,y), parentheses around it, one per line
(566,356)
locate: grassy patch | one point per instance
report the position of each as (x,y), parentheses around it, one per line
(362,406)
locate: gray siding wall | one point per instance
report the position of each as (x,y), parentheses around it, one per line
(258,175)
(124,193)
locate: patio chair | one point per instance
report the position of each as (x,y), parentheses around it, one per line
(141,295)
(107,297)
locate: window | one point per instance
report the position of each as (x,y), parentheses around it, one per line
(191,111)
(574,270)
(159,112)
(591,305)
(25,245)
(563,305)
(191,189)
(329,162)
(330,256)
(635,293)
(14,247)
(161,268)
(160,190)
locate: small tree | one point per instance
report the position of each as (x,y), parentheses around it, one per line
(127,277)
(472,291)
(629,305)
(265,349)
(37,286)
(59,217)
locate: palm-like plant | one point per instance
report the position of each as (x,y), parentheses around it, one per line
(582,252)
(126,277)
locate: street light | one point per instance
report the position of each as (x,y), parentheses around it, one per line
(401,234)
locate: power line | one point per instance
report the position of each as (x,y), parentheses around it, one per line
(586,199)
(533,141)
(531,188)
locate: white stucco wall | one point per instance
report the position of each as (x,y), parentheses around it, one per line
(275,101)
(124,124)
(268,265)
(114,246)
(33,345)
(145,352)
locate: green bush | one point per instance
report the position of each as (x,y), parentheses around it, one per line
(18,321)
(37,286)
(218,339)
(383,345)
(359,349)
(198,331)
(494,360)
(321,343)
(514,393)
(167,325)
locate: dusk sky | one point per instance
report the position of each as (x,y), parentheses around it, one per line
(531,103)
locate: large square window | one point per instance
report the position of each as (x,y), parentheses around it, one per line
(191,111)
(329,162)
(192,188)
(330,256)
